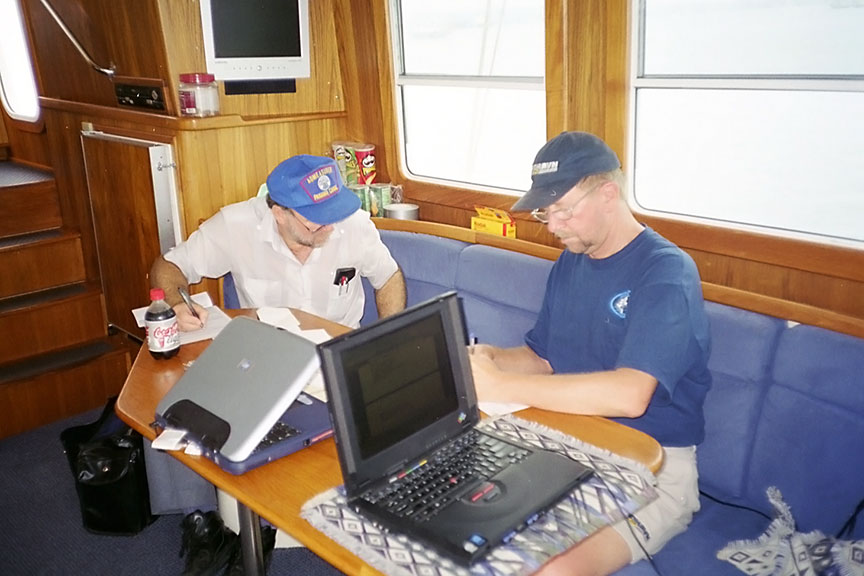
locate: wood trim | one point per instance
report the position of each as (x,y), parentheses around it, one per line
(153,120)
(468,235)
(835,261)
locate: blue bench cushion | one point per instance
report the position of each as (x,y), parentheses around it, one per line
(810,436)
(502,293)
(742,349)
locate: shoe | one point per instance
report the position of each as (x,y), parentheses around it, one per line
(207,544)
(268,542)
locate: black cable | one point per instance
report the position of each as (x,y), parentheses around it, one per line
(730,504)
(627,518)
(849,527)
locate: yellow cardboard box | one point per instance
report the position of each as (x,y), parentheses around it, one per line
(493,221)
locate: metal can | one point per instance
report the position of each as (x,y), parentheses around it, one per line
(379,197)
(362,192)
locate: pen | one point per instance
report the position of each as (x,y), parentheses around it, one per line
(185,296)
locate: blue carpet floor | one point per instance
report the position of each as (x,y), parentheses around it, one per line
(41,532)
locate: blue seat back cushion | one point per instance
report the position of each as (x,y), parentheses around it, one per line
(229,293)
(502,293)
(810,436)
(429,264)
(742,347)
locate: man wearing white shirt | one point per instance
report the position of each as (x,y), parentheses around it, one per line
(304,245)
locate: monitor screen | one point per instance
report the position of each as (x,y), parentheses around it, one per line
(256,40)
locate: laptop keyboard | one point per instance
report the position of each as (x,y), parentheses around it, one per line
(427,488)
(280,431)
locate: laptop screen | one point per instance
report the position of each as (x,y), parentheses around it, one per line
(399,383)
(398,388)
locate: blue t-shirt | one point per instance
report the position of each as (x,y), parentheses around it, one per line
(640,308)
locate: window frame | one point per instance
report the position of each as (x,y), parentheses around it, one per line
(401,79)
(781,82)
(19,121)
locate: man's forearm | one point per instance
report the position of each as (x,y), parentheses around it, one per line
(390,298)
(166,275)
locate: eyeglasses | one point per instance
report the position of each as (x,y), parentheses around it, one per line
(544,214)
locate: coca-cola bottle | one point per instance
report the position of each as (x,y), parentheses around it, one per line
(160,320)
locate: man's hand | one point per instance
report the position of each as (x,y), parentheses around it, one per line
(485,373)
(186,321)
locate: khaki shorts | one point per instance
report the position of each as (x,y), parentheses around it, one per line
(670,514)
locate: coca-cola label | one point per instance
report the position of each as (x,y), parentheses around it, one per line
(163,335)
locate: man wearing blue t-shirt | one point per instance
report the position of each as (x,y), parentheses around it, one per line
(622,333)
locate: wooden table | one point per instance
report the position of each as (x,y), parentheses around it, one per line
(278,490)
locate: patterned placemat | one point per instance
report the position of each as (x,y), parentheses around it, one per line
(619,487)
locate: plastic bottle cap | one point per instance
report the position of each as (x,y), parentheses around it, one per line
(197,78)
(157,294)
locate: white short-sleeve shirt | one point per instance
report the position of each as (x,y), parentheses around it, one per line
(243,239)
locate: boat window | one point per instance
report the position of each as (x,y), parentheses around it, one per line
(750,114)
(470,90)
(17,84)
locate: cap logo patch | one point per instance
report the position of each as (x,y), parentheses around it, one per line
(320,184)
(544,168)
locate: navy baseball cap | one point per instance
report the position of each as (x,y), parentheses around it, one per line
(561,164)
(312,186)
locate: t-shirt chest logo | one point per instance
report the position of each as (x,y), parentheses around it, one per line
(618,304)
(320,184)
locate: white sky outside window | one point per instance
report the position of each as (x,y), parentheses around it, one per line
(472,93)
(756,37)
(17,85)
(750,113)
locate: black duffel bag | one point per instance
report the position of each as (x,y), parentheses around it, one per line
(107,461)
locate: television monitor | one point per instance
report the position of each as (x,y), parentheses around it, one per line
(256,39)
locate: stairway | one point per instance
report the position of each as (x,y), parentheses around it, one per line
(57,357)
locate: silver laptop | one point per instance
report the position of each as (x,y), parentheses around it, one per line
(241,401)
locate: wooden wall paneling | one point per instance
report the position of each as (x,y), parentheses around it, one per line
(63,134)
(124,33)
(362,27)
(322,92)
(76,319)
(184,43)
(27,143)
(218,167)
(124,215)
(48,397)
(61,70)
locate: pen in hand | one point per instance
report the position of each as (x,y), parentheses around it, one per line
(185,296)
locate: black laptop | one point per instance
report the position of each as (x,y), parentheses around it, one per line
(404,412)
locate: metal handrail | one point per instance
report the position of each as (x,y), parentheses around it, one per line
(107,71)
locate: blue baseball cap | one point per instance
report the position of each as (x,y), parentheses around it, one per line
(561,164)
(312,186)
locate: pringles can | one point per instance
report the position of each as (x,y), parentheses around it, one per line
(364,154)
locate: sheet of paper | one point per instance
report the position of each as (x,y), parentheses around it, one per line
(316,387)
(500,408)
(170,439)
(216,320)
(283,318)
(279,317)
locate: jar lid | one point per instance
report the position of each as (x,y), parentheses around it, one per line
(197,78)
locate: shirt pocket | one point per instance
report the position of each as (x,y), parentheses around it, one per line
(341,298)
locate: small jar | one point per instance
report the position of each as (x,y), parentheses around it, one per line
(199,95)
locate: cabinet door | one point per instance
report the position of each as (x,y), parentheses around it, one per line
(135,216)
